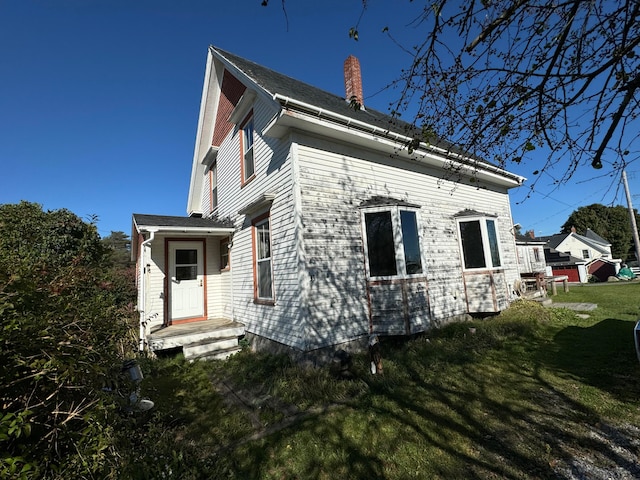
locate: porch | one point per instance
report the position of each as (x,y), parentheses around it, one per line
(208,339)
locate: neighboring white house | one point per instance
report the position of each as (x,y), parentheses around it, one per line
(580,256)
(311,224)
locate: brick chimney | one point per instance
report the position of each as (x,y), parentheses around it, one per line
(353,81)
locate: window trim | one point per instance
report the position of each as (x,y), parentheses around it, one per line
(486,243)
(244,179)
(398,242)
(225,245)
(255,223)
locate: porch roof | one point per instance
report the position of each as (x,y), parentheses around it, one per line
(168,223)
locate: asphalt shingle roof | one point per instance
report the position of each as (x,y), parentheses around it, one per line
(274,82)
(174,221)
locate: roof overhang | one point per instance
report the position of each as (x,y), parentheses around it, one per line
(300,116)
(163,224)
(185,230)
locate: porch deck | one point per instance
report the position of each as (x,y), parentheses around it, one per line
(213,338)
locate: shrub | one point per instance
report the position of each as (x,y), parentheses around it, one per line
(61,340)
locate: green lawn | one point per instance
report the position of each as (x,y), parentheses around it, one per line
(531,391)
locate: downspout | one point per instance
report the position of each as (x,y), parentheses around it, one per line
(143,284)
(230,247)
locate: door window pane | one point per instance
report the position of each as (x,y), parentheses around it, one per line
(186,257)
(186,273)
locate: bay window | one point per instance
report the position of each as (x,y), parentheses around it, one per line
(479,243)
(392,242)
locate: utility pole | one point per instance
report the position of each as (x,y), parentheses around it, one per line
(632,216)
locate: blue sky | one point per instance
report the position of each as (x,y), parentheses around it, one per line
(99,99)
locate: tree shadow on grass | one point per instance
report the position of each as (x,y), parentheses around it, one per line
(602,355)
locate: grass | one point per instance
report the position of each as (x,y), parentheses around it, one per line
(519,398)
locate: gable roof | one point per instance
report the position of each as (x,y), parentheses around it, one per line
(300,105)
(591,235)
(276,83)
(553,241)
(590,239)
(287,89)
(594,244)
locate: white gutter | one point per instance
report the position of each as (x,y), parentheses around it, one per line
(199,230)
(143,298)
(351,122)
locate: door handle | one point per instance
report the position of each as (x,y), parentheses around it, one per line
(200,282)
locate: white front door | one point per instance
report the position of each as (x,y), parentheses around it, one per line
(186,279)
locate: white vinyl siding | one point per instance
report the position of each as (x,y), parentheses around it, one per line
(334,181)
(392,245)
(282,321)
(318,257)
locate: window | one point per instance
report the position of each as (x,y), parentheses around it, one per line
(585,254)
(214,186)
(224,254)
(536,254)
(186,264)
(246,149)
(393,242)
(263,275)
(480,245)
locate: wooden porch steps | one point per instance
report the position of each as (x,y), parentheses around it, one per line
(209,339)
(211,348)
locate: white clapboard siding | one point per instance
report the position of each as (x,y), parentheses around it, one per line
(154,302)
(321,289)
(334,181)
(279,322)
(218,283)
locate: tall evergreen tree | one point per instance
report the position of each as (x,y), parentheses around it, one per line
(119,246)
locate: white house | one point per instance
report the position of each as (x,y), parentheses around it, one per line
(310,225)
(579,256)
